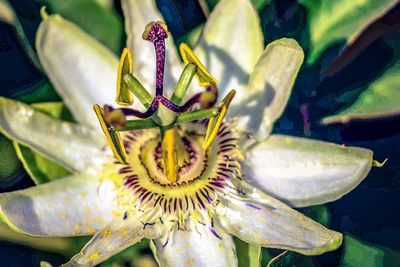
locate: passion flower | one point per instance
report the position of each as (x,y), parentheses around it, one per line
(177,173)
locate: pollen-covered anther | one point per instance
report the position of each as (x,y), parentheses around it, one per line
(113,138)
(124,97)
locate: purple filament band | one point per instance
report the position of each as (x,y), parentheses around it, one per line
(133,112)
(192,101)
(166,102)
(197,97)
(171,106)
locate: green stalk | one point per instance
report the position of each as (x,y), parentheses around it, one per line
(138,89)
(197,115)
(131,125)
(183,83)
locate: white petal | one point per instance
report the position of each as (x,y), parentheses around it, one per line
(196,247)
(138,14)
(231,43)
(83,71)
(265,97)
(266,222)
(75,205)
(74,146)
(303,172)
(117,236)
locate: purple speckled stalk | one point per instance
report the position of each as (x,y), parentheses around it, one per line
(157,36)
(171,106)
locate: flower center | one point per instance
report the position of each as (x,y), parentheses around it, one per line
(144,188)
(176,159)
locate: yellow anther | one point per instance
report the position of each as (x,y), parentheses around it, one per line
(113,138)
(202,74)
(215,122)
(170,155)
(124,96)
(150,25)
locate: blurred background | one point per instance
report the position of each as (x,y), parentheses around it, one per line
(347,92)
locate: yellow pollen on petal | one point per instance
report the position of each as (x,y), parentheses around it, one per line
(106,233)
(93,256)
(189,262)
(91,231)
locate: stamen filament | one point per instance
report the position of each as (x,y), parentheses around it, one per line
(134,85)
(183,83)
(132,125)
(197,115)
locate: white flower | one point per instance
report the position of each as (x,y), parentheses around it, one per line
(223,191)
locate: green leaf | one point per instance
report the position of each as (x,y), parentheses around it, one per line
(9,162)
(40,168)
(319,213)
(192,36)
(102,23)
(340,21)
(289,259)
(42,92)
(358,253)
(380,99)
(248,255)
(54,109)
(127,257)
(260,4)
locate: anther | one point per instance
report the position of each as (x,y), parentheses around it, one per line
(113,138)
(124,96)
(157,32)
(215,122)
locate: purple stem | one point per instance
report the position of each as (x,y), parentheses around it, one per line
(157,36)
(160,59)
